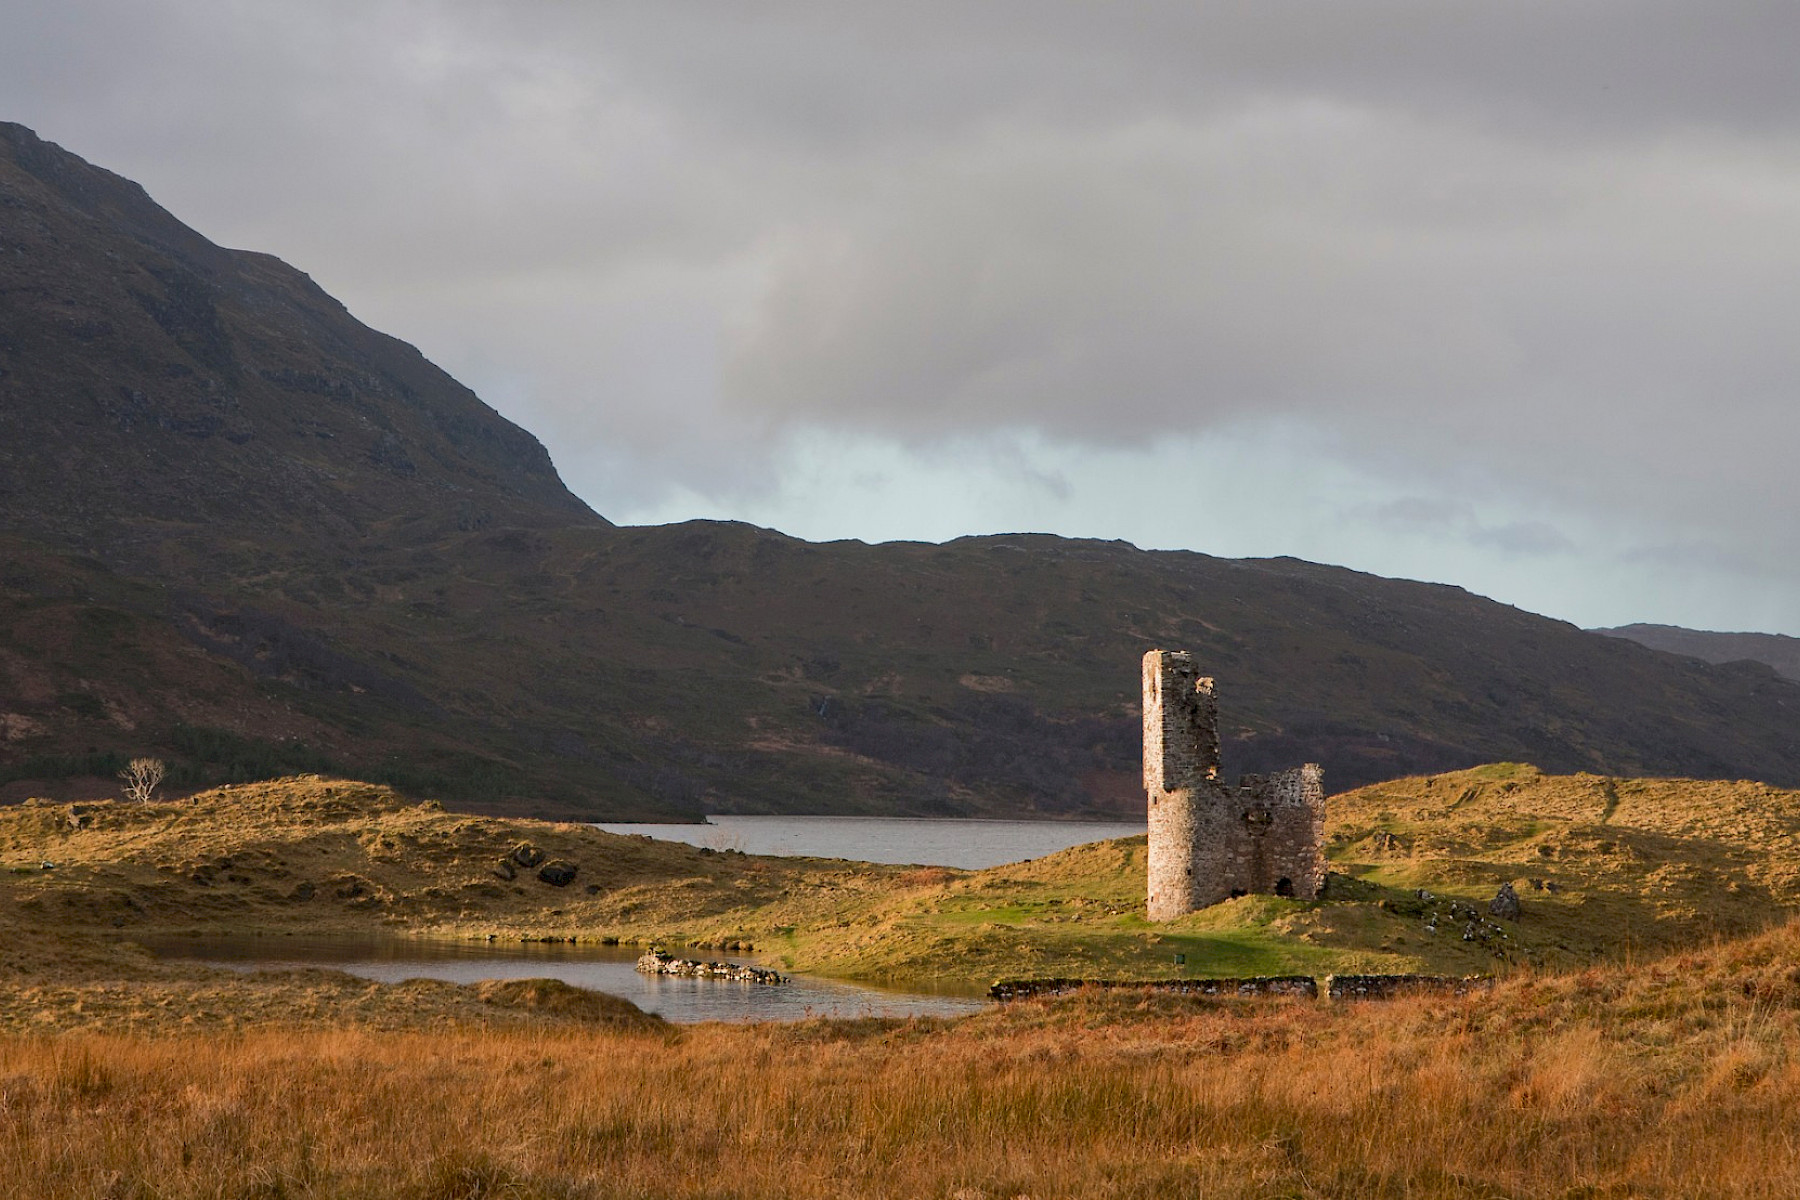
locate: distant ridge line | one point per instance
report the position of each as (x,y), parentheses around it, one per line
(1775,650)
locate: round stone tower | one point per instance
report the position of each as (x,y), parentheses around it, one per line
(1181,770)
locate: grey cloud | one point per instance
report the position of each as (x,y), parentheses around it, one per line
(1696,557)
(1533,258)
(1523,538)
(837,77)
(1419,514)
(1445,518)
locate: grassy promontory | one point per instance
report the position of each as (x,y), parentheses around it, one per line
(1606,869)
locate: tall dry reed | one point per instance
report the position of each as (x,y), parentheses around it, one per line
(1614,1085)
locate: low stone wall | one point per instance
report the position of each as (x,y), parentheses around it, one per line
(656,962)
(1384,987)
(1337,987)
(1262,985)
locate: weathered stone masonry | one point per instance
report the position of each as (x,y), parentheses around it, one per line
(1210,841)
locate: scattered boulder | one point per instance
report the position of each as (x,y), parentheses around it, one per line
(558,873)
(1505,903)
(527,855)
(504,869)
(302,892)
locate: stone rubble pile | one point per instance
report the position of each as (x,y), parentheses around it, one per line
(658,962)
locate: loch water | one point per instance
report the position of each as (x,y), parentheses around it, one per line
(606,969)
(926,841)
(968,844)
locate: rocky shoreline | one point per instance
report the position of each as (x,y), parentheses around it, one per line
(658,962)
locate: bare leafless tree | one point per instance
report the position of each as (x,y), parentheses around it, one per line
(141,778)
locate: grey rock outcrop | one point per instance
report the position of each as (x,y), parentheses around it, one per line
(1505,903)
(558,873)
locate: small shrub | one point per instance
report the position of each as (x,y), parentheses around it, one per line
(141,777)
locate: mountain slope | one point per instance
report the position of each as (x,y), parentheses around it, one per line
(246,533)
(169,400)
(1771,649)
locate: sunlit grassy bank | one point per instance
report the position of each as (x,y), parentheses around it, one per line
(1672,1078)
(1606,868)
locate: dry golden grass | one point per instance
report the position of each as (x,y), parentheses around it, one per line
(1677,1078)
(1626,867)
(325,856)
(1653,1073)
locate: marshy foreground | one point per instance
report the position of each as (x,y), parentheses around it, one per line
(1640,1039)
(1675,1078)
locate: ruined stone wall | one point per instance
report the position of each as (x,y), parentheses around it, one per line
(1260,985)
(1181,723)
(1290,858)
(1210,842)
(1387,987)
(1338,988)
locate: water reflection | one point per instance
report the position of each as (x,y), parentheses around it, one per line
(597,968)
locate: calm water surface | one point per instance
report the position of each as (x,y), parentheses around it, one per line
(923,840)
(597,968)
(927,842)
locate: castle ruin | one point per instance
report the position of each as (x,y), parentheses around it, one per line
(1209,841)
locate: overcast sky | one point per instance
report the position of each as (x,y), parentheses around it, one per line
(1500,294)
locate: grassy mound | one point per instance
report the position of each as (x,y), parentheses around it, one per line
(318,855)
(1605,869)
